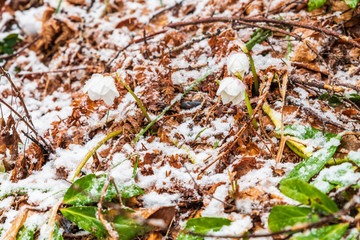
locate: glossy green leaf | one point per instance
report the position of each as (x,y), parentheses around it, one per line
(203,225)
(351,3)
(341,175)
(128,228)
(282,217)
(88,189)
(311,166)
(332,232)
(56,233)
(85,218)
(307,194)
(26,232)
(314,4)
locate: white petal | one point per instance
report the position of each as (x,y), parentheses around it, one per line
(228,81)
(238,63)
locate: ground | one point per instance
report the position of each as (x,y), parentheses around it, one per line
(193,156)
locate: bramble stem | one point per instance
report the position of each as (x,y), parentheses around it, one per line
(143,109)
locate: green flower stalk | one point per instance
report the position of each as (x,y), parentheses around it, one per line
(143,109)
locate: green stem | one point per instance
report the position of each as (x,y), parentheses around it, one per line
(143,109)
(248,105)
(58,7)
(253,69)
(250,110)
(255,76)
(297,148)
(92,151)
(168,107)
(288,48)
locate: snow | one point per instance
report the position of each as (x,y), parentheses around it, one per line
(167,185)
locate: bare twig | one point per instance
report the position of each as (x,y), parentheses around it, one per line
(112,233)
(313,112)
(240,132)
(267,20)
(48,147)
(17,93)
(107,67)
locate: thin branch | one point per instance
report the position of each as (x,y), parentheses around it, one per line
(17,93)
(243,20)
(107,67)
(313,112)
(48,147)
(112,233)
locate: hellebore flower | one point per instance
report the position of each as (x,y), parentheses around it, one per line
(232,90)
(100,87)
(238,64)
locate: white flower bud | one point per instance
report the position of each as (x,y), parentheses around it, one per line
(232,90)
(100,87)
(238,64)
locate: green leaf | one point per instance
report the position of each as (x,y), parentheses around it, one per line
(85,218)
(282,217)
(8,43)
(183,236)
(351,3)
(203,225)
(26,232)
(307,194)
(355,157)
(314,4)
(131,190)
(339,175)
(88,189)
(56,233)
(355,97)
(311,166)
(332,232)
(333,100)
(128,228)
(306,132)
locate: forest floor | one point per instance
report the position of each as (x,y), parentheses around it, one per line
(201,158)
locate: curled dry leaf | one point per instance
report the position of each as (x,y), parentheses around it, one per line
(16,225)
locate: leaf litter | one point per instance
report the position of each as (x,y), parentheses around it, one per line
(200,164)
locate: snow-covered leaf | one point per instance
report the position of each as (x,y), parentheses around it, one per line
(311,166)
(88,189)
(56,233)
(203,225)
(307,194)
(282,217)
(342,175)
(26,232)
(85,218)
(332,232)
